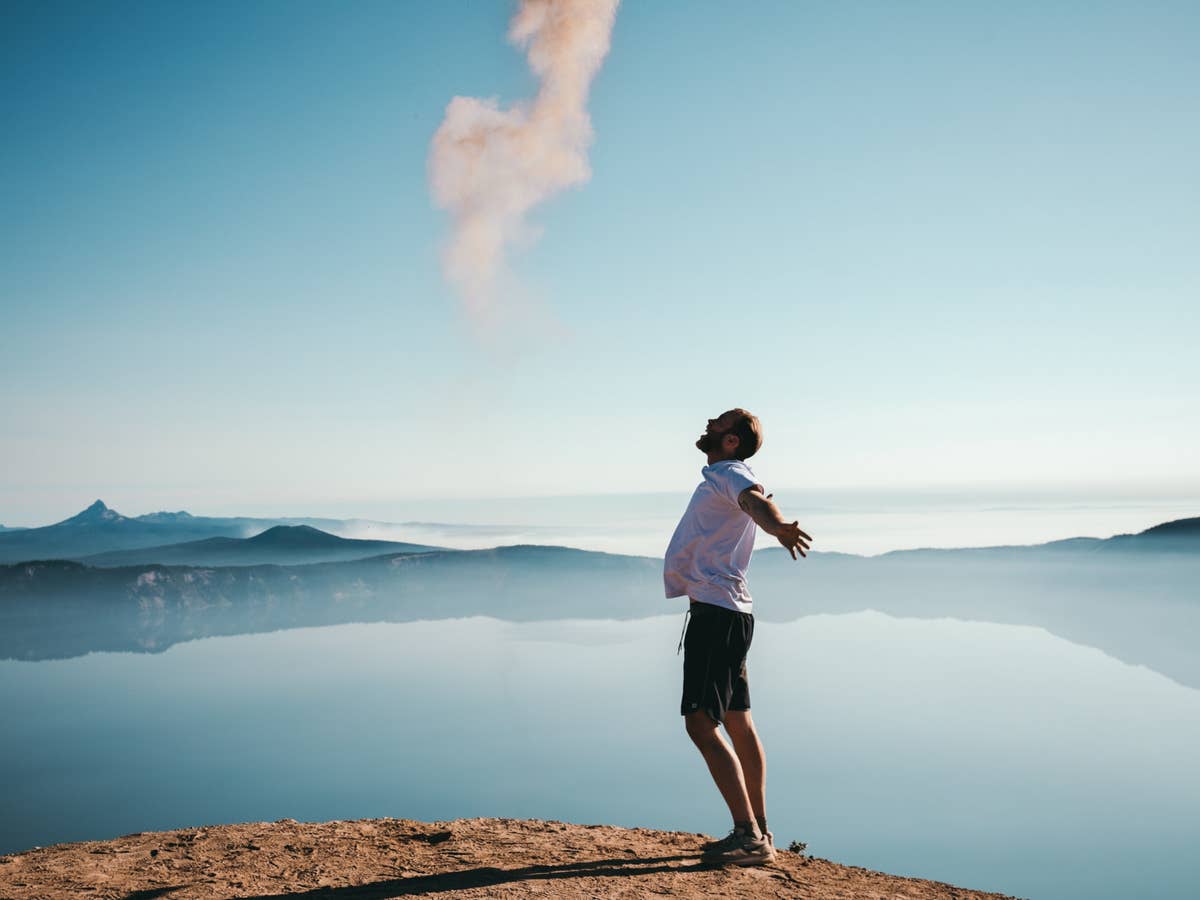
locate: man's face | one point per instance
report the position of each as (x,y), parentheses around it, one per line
(713,437)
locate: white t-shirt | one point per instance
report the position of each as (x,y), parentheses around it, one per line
(710,549)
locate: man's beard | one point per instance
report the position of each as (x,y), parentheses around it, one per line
(709,442)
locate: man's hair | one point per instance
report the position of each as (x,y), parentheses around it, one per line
(749,433)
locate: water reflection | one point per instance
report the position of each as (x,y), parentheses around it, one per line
(996,757)
(1139,607)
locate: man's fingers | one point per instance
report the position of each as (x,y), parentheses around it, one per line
(795,540)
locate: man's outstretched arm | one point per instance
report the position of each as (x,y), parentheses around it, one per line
(768,517)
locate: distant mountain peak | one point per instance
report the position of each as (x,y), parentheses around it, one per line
(1179,527)
(164,516)
(96,514)
(296,535)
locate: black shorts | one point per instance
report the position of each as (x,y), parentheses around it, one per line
(714,661)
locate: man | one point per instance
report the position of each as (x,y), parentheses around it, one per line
(706,561)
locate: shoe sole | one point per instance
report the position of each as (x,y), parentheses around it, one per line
(755,860)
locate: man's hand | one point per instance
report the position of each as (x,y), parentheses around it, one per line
(793,539)
(767,516)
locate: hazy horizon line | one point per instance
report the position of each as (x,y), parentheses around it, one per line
(1002,496)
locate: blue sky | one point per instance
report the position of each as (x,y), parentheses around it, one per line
(932,245)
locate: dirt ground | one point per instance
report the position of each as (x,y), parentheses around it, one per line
(379,858)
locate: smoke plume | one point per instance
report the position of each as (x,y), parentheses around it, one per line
(489,166)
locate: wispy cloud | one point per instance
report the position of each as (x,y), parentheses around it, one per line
(488,167)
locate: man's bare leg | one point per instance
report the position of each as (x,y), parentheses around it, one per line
(722,764)
(751,758)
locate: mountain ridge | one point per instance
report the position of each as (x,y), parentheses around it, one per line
(1176,534)
(98,530)
(280,545)
(96,513)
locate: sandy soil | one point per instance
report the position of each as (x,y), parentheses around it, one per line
(379,858)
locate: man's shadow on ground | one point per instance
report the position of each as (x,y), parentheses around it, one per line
(487,876)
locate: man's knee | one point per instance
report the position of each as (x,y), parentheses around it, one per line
(701,727)
(738,723)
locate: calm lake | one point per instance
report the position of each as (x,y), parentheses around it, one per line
(996,757)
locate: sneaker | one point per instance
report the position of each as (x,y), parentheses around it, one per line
(728,842)
(740,849)
(731,840)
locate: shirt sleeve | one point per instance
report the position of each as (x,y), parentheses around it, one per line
(735,479)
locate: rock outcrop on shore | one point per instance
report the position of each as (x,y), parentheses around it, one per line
(381,858)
